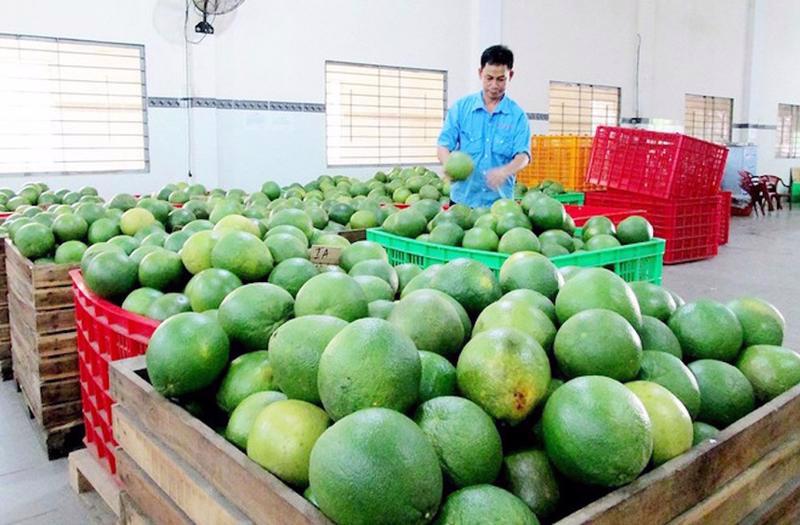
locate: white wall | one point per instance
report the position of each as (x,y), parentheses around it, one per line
(275,50)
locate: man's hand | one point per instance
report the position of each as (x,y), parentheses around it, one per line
(495,177)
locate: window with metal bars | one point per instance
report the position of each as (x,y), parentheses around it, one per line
(577,109)
(788,131)
(382,115)
(708,118)
(71,106)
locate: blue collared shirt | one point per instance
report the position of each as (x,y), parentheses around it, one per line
(491,139)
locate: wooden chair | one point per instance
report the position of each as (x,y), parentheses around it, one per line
(752,186)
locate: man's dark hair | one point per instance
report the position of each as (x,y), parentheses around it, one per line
(498,56)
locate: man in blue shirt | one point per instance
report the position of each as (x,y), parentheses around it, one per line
(492,129)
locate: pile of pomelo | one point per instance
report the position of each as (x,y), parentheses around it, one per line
(538,223)
(401,395)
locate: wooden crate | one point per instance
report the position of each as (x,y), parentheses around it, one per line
(86,474)
(750,474)
(6,371)
(190,467)
(41,328)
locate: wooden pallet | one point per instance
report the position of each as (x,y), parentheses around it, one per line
(57,441)
(86,474)
(202,474)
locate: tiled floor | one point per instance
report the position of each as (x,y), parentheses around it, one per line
(759,261)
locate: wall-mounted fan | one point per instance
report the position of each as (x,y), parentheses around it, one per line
(213,8)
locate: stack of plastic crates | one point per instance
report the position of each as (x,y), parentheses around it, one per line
(725,198)
(673,177)
(559,158)
(106,333)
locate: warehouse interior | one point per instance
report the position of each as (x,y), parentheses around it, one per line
(671,129)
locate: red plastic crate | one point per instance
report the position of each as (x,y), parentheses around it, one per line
(662,165)
(689,225)
(105,333)
(724,216)
(581,214)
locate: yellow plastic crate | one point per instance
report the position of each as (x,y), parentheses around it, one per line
(560,158)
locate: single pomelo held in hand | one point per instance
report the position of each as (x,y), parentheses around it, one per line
(597,432)
(110,273)
(252,312)
(292,274)
(658,337)
(530,476)
(532,271)
(464,437)
(469,282)
(186,353)
(376,466)
(295,349)
(247,374)
(208,289)
(139,300)
(598,342)
(598,288)
(243,254)
(134,220)
(671,424)
(438,376)
(762,323)
(161,269)
(725,393)
(669,372)
(482,504)
(505,371)
(703,431)
(519,314)
(772,370)
(431,322)
(654,300)
(196,251)
(333,294)
(707,330)
(369,363)
(282,437)
(634,229)
(459,165)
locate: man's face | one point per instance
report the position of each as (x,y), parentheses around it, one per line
(494,79)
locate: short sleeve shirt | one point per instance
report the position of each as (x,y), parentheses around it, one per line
(491,139)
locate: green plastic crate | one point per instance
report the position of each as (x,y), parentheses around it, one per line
(575,197)
(635,262)
(795,191)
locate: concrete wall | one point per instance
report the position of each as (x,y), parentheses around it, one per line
(275,50)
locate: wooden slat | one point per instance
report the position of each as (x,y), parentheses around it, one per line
(130,513)
(190,491)
(86,474)
(40,275)
(47,367)
(259,494)
(152,503)
(748,491)
(682,483)
(782,508)
(42,322)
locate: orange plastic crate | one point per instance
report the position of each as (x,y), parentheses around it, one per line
(560,158)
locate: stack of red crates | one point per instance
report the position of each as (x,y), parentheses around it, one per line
(674,177)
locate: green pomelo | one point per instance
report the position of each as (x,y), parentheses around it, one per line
(70,252)
(247,374)
(139,300)
(654,300)
(406,223)
(469,282)
(332,294)
(161,269)
(244,415)
(369,363)
(597,432)
(431,322)
(532,271)
(669,372)
(598,225)
(447,233)
(110,274)
(243,254)
(598,288)
(658,337)
(208,289)
(236,223)
(707,330)
(196,251)
(535,299)
(772,370)
(519,314)
(482,504)
(376,466)
(762,323)
(377,268)
(518,240)
(702,431)
(438,377)
(186,354)
(505,371)
(405,273)
(530,476)
(464,437)
(374,288)
(251,313)
(135,219)
(459,165)
(70,227)
(634,229)
(480,239)
(34,240)
(725,393)
(167,305)
(292,274)
(671,424)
